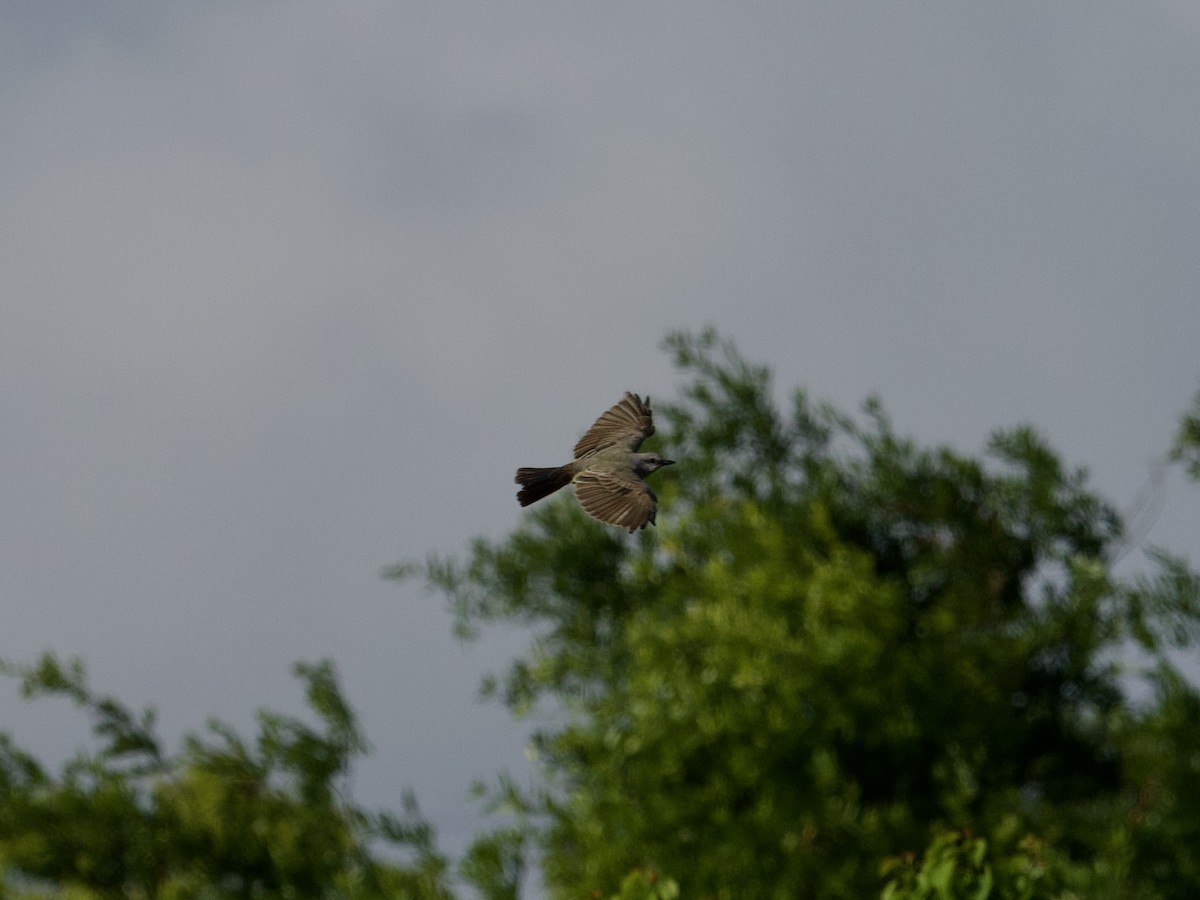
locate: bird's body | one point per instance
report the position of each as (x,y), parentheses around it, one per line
(607,471)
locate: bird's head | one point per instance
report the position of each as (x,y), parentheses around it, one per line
(650,462)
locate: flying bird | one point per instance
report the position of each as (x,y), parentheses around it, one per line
(607,471)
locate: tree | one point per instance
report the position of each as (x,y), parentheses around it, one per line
(959,864)
(844,665)
(221,818)
(838,648)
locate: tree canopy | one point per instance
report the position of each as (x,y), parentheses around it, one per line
(222,817)
(844,665)
(840,648)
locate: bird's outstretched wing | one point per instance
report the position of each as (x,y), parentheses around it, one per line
(624,502)
(625,425)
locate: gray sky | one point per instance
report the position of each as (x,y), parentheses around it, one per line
(289,289)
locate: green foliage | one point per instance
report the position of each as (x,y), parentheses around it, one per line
(222,818)
(496,862)
(837,645)
(645,884)
(960,866)
(1187,441)
(1163,823)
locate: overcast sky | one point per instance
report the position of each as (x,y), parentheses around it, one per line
(288,290)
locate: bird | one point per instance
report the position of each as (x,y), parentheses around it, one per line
(607,471)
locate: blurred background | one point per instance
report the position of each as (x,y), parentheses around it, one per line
(289,290)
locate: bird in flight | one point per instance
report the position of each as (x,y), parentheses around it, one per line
(607,471)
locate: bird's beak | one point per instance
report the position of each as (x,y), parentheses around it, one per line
(668,462)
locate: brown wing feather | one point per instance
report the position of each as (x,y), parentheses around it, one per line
(627,424)
(626,503)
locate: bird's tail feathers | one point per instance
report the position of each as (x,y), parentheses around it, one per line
(539,483)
